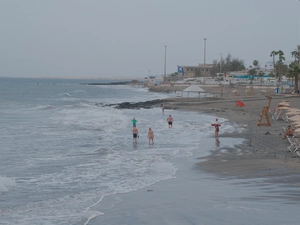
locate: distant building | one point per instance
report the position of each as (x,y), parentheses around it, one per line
(197,71)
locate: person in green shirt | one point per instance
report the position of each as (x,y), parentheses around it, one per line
(134,122)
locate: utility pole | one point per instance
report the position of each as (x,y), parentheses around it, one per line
(165,68)
(298,63)
(221,63)
(299,54)
(204,58)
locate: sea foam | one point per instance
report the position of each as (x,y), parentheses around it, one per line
(6,184)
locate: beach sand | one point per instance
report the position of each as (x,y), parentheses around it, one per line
(264,153)
(256,182)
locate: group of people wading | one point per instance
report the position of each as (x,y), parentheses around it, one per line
(135,131)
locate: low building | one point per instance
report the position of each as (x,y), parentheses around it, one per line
(198,71)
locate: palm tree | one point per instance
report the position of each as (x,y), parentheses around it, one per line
(294,72)
(296,52)
(255,63)
(278,66)
(294,68)
(273,54)
(281,57)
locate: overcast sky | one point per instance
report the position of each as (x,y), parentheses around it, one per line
(126,38)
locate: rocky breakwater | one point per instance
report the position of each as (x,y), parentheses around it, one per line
(136,105)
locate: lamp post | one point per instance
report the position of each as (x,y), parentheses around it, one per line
(165,67)
(221,63)
(204,58)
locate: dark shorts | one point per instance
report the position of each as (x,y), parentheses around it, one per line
(134,135)
(170,123)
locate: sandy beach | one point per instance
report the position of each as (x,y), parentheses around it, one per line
(256,182)
(264,151)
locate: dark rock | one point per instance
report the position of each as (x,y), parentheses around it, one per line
(135,105)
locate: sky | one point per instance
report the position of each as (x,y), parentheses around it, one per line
(127,38)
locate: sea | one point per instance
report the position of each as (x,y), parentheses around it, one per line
(64,150)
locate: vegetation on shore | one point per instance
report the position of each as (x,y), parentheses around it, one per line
(280,68)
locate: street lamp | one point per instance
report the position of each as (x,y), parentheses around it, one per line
(221,63)
(165,67)
(204,58)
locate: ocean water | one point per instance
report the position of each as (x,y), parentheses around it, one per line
(62,153)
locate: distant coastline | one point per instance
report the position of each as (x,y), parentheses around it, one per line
(110,83)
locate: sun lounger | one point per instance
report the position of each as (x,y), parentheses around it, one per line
(294,144)
(278,115)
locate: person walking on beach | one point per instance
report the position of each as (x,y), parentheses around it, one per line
(163,109)
(135,133)
(150,136)
(170,121)
(134,122)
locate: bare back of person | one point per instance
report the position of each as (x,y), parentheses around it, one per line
(135,132)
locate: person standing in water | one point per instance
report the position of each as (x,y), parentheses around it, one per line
(170,121)
(134,122)
(150,136)
(163,109)
(135,132)
(217,127)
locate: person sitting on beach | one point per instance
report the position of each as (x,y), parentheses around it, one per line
(289,132)
(151,136)
(134,122)
(135,132)
(170,121)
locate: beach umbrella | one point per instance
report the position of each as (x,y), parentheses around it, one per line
(296,121)
(295,118)
(284,107)
(294,110)
(284,103)
(297,130)
(297,125)
(290,113)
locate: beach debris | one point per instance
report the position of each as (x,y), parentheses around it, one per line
(267,133)
(240,103)
(149,190)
